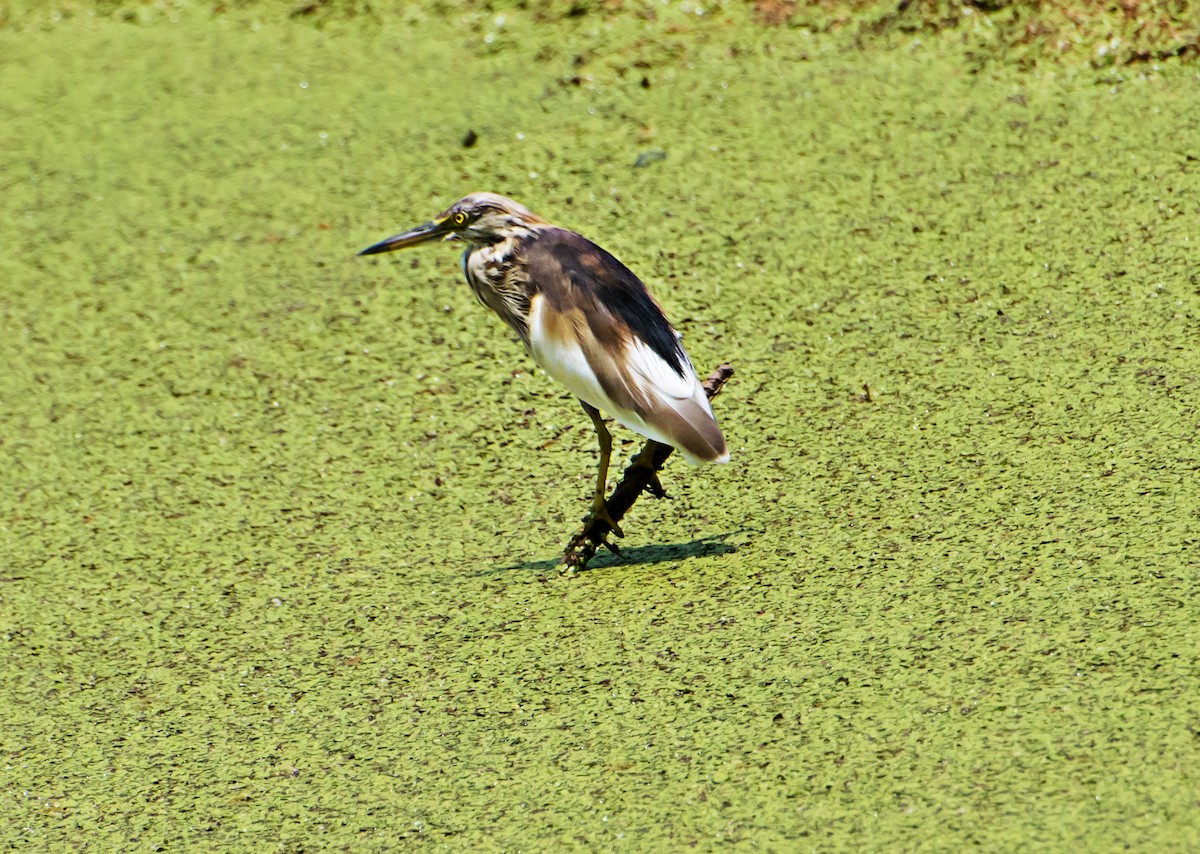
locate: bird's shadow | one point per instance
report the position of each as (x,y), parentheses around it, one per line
(635,555)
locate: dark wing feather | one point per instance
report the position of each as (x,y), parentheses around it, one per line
(572,272)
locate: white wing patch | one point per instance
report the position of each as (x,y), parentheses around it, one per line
(656,377)
(661,385)
(565,361)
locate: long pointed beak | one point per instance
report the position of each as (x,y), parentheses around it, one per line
(412,237)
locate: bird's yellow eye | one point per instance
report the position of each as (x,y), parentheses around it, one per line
(459,218)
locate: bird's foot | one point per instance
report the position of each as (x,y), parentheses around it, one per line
(599,513)
(597,525)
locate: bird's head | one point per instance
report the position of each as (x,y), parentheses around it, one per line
(479,219)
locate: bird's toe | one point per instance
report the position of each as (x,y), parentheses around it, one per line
(599,513)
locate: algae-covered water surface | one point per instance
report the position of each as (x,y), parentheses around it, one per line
(280,526)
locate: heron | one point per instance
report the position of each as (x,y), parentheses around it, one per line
(586,320)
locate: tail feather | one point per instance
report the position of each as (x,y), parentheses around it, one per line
(686,424)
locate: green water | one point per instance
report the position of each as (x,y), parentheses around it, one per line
(279,526)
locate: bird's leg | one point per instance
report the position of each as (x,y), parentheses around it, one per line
(599,508)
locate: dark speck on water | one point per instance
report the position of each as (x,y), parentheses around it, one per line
(647,157)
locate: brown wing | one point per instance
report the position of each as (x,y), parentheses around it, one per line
(592,309)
